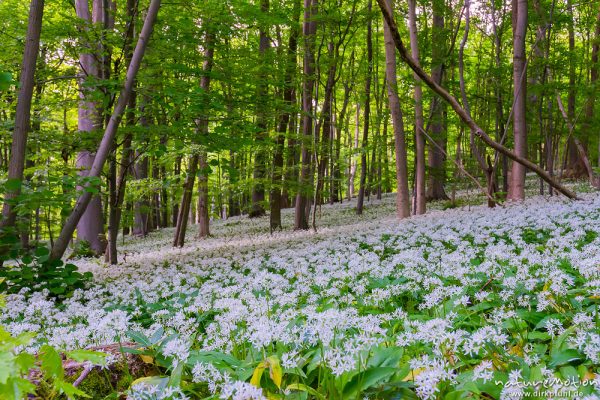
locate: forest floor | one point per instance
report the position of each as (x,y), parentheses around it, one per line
(458,301)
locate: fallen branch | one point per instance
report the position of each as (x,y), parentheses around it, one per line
(86,371)
(460,111)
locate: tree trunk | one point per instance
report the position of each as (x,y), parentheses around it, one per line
(275,196)
(186,201)
(516,190)
(591,100)
(327,125)
(420,198)
(484,165)
(402,198)
(352,164)
(308,83)
(141,206)
(16,164)
(260,159)
(109,134)
(574,167)
(203,201)
(437,157)
(365,138)
(90,228)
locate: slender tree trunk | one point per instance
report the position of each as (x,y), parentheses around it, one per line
(16,164)
(275,196)
(84,199)
(499,117)
(420,197)
(575,167)
(340,128)
(402,198)
(484,165)
(437,157)
(141,206)
(365,138)
(590,105)
(308,83)
(203,201)
(352,164)
(327,125)
(260,159)
(516,190)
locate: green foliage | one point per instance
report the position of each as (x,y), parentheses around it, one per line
(5,80)
(82,249)
(34,270)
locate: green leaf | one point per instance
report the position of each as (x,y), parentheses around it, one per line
(51,362)
(5,80)
(386,357)
(304,388)
(175,379)
(564,357)
(68,389)
(139,338)
(95,357)
(366,379)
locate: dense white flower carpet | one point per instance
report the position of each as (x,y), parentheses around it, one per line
(464,302)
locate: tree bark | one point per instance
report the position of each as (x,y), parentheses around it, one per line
(460,112)
(591,101)
(60,245)
(485,166)
(275,197)
(420,197)
(308,83)
(436,154)
(402,198)
(90,227)
(203,201)
(516,190)
(365,139)
(16,164)
(260,159)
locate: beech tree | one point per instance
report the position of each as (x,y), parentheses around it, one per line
(516,187)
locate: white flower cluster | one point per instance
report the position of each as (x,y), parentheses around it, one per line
(352,286)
